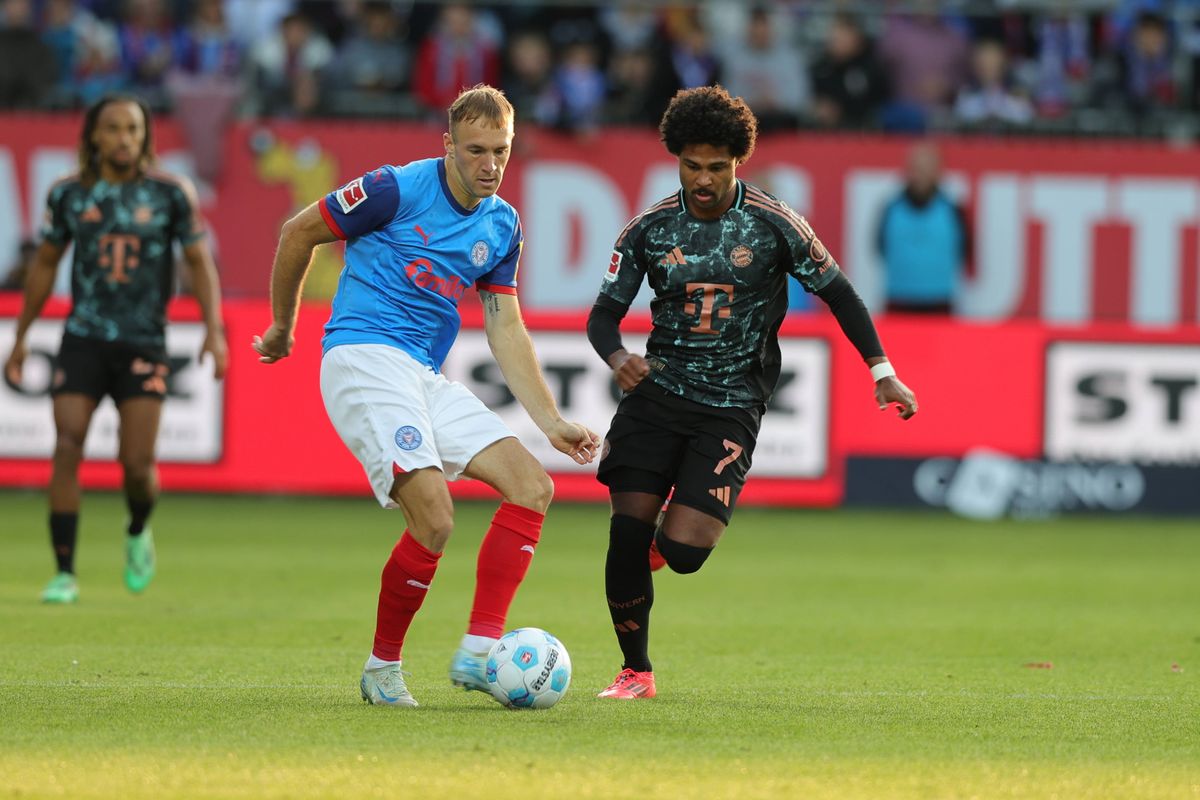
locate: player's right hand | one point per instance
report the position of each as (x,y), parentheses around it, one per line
(274,344)
(629,371)
(13,367)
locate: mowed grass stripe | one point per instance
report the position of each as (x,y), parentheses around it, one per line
(818,654)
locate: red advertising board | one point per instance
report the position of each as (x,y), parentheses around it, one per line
(979,385)
(1066,231)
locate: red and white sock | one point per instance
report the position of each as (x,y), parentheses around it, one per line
(403,586)
(504,559)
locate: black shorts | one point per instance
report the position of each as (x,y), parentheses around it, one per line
(119,369)
(658,441)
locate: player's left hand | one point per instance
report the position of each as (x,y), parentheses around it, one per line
(214,344)
(890,391)
(575,440)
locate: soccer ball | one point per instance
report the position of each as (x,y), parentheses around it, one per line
(528,668)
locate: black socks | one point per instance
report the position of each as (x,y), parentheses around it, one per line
(139,512)
(629,588)
(64,528)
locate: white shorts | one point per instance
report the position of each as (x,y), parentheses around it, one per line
(397,415)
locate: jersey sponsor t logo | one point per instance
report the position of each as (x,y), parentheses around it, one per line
(352,195)
(614,267)
(119,255)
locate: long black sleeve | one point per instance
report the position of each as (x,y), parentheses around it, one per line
(604,328)
(839,294)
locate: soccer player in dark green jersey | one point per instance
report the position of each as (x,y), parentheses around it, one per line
(718,254)
(123,217)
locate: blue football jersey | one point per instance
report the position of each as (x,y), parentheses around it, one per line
(411,253)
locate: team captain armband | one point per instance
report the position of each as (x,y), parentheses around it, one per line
(362,205)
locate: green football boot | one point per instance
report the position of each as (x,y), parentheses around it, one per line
(62,588)
(139,561)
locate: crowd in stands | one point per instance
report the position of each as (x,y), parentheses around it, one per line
(1118,67)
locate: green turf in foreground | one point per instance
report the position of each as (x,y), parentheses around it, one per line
(839,655)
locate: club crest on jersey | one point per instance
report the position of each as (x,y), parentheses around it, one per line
(479,253)
(352,195)
(614,267)
(143,215)
(408,437)
(741,256)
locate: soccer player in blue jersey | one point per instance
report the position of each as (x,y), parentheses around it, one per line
(417,236)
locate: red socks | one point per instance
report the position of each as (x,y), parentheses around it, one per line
(504,559)
(403,586)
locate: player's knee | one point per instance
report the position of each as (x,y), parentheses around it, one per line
(138,469)
(68,448)
(682,558)
(535,491)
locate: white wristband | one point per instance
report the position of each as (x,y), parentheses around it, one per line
(882,370)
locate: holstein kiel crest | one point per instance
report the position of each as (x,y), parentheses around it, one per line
(408,437)
(479,253)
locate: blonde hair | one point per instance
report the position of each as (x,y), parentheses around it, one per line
(481,102)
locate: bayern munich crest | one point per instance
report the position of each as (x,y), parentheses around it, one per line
(479,253)
(741,256)
(408,437)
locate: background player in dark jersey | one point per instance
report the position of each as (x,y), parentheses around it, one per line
(717,254)
(123,216)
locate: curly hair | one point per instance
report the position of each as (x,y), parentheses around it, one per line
(708,115)
(89,155)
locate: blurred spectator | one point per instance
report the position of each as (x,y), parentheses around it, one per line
(375,59)
(848,81)
(149,47)
(630,25)
(287,67)
(207,46)
(14,277)
(204,89)
(581,86)
(923,239)
(640,86)
(768,73)
(88,47)
(927,59)
(692,56)
(27,64)
(253,21)
(529,78)
(1062,63)
(1147,73)
(456,54)
(989,98)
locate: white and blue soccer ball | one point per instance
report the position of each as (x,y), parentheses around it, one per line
(528,668)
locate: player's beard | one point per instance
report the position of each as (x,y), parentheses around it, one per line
(121,165)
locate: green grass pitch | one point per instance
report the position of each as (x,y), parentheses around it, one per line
(817,655)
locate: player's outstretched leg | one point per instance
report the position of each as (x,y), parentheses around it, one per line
(504,559)
(505,554)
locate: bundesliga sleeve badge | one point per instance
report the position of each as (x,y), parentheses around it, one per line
(614,267)
(352,195)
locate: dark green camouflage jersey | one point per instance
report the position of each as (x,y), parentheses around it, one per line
(720,292)
(122,272)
